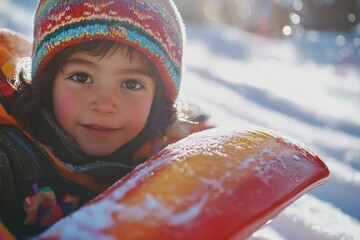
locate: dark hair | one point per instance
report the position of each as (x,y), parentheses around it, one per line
(38,94)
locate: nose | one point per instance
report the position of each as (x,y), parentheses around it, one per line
(104,102)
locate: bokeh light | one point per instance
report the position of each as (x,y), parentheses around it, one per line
(294,18)
(287,30)
(340,40)
(351,17)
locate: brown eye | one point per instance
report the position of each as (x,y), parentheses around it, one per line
(132,85)
(80,78)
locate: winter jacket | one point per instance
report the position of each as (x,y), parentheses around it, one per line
(37,188)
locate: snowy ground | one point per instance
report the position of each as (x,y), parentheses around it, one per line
(246,80)
(306,89)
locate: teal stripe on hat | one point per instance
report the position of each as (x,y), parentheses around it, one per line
(54,41)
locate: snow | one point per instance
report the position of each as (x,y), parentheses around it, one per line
(298,87)
(248,80)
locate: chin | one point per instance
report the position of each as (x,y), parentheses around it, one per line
(96,152)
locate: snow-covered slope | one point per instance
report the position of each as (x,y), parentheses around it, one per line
(246,80)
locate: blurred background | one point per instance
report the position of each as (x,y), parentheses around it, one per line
(300,20)
(275,17)
(292,66)
(268,17)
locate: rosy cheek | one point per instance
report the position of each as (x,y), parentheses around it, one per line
(140,115)
(64,109)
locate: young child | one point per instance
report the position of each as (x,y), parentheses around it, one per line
(99,100)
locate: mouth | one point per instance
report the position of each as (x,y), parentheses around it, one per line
(98,127)
(99,130)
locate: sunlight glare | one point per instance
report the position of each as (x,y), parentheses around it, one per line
(287,30)
(298,5)
(294,18)
(340,40)
(351,17)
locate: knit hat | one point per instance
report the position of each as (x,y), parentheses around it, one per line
(154,27)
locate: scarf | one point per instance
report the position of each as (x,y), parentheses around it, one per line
(105,169)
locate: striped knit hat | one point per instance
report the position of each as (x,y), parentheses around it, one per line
(154,27)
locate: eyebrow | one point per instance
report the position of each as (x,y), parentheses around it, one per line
(85,62)
(79,61)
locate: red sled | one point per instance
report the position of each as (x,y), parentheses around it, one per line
(216,184)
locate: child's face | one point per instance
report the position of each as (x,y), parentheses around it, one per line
(103,102)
